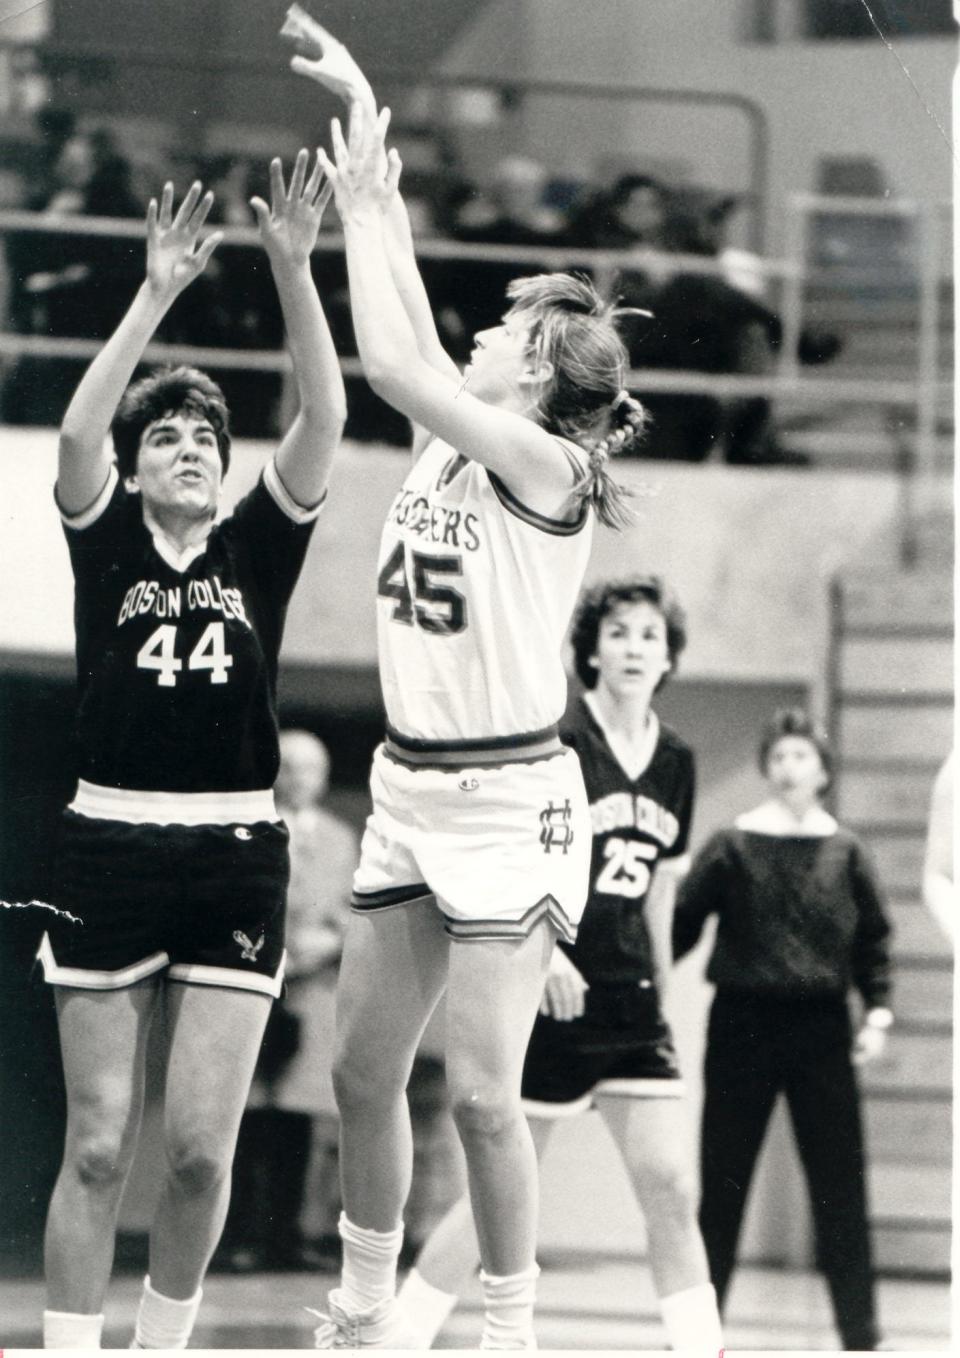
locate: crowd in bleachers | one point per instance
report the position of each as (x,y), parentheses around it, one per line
(712,321)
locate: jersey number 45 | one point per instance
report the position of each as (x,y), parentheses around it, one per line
(427,596)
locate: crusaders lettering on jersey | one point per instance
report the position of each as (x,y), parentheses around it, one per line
(439,524)
(624,810)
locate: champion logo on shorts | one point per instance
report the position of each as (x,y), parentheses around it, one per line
(248,950)
(242,832)
(555,828)
(468,784)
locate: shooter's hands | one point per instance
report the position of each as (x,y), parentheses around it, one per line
(289,227)
(564,993)
(322,58)
(362,174)
(174,257)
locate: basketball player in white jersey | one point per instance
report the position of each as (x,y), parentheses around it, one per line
(477,854)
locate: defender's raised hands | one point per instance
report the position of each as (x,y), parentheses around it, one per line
(174,256)
(289,227)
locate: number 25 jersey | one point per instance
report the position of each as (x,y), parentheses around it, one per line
(636,822)
(475,594)
(177,658)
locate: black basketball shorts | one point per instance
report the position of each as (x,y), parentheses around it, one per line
(621,1046)
(203,903)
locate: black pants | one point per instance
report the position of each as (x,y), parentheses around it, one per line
(756,1049)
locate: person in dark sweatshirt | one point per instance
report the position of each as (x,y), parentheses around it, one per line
(801,920)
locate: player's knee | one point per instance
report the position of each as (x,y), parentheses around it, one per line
(100,1162)
(196,1168)
(360,1085)
(668,1187)
(482,1113)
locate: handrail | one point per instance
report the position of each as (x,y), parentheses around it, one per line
(752,109)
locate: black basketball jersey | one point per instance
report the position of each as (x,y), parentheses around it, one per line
(177,661)
(636,822)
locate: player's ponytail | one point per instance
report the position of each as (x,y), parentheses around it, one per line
(607,497)
(573,333)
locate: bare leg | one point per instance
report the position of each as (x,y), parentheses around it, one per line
(652,1136)
(214,1035)
(392,974)
(492,996)
(103,1041)
(450,1255)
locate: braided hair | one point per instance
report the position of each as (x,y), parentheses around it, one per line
(573,332)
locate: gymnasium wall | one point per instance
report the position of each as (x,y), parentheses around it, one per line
(749,551)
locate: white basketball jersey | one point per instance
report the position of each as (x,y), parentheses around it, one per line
(475,593)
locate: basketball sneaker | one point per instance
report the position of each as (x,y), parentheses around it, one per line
(383,1326)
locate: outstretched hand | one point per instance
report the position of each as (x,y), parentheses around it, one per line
(174,258)
(322,58)
(290,225)
(361,173)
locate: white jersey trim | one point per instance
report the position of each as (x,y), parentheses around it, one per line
(84,978)
(641,1088)
(173,808)
(193,973)
(93,511)
(284,500)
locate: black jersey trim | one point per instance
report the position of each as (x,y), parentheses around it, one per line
(556,527)
(455,754)
(480,930)
(89,516)
(365,902)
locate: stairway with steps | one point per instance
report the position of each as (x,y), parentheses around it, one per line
(891,717)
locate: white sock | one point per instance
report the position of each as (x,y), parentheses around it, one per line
(163,1322)
(425,1307)
(508,1309)
(70,1330)
(691,1318)
(369,1265)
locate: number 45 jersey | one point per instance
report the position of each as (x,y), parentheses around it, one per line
(636,822)
(177,657)
(475,593)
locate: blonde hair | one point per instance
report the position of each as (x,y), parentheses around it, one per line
(573,330)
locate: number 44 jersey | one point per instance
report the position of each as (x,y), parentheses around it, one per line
(475,593)
(636,822)
(177,656)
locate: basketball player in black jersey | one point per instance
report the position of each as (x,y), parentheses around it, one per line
(172,856)
(600,1039)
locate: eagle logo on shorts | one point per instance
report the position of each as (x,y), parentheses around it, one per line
(556,832)
(249,950)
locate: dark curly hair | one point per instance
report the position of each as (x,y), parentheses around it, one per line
(600,600)
(794,721)
(168,391)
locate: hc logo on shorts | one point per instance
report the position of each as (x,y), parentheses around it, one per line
(555,828)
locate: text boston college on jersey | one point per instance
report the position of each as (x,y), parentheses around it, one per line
(166,601)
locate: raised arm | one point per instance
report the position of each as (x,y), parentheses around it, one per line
(174,259)
(321,57)
(288,230)
(529,461)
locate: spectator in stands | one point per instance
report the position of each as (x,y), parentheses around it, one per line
(285,1172)
(629,214)
(73,286)
(511,210)
(801,919)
